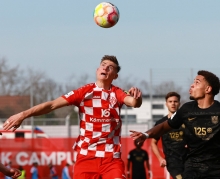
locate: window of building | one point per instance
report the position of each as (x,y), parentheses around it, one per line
(130,118)
(157,117)
(128,107)
(157,106)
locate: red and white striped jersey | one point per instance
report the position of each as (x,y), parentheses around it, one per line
(100,123)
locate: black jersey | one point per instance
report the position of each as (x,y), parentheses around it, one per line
(138,158)
(203,125)
(173,143)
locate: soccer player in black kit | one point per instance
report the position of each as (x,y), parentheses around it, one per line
(201,118)
(174,145)
(139,159)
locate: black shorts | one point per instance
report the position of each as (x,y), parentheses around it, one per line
(175,168)
(176,173)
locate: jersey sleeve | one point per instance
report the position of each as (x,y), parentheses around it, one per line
(146,158)
(121,94)
(177,119)
(73,97)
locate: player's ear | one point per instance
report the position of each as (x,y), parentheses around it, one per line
(116,76)
(208,89)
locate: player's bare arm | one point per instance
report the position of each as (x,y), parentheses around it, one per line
(155,149)
(135,100)
(15,121)
(154,132)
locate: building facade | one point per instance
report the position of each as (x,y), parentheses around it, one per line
(152,109)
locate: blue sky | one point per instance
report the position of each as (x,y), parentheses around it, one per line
(61,38)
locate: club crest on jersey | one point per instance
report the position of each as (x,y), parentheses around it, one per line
(209,130)
(112,100)
(214,119)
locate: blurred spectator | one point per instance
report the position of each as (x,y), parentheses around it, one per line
(53,172)
(138,157)
(65,172)
(23,173)
(34,171)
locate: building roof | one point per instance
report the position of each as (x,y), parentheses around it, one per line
(153,96)
(10,105)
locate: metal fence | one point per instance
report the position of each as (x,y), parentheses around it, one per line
(61,128)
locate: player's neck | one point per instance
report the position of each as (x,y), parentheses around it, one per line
(138,149)
(103,85)
(205,102)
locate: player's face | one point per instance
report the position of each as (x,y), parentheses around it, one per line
(198,88)
(107,71)
(172,104)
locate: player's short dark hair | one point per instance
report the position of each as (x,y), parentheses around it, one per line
(170,94)
(112,59)
(212,80)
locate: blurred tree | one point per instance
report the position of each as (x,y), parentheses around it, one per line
(125,82)
(166,86)
(144,86)
(9,78)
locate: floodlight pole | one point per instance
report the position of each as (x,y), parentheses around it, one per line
(151,99)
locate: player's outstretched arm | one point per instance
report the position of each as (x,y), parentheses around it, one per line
(12,172)
(135,100)
(154,132)
(15,121)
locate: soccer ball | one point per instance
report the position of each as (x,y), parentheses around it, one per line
(106,15)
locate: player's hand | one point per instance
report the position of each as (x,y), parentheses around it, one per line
(135,92)
(13,173)
(13,122)
(163,162)
(138,136)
